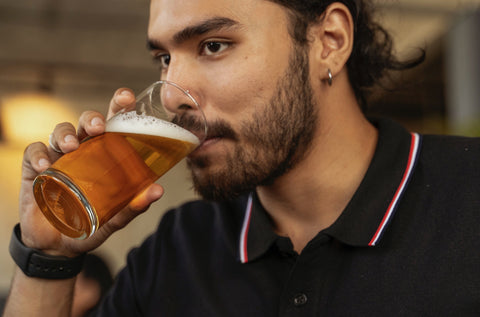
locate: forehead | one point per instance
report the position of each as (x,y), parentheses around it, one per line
(173,15)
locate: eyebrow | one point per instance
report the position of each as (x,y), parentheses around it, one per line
(189,32)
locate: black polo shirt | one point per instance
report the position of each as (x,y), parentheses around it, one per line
(407,244)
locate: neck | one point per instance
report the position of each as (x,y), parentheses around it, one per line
(311,196)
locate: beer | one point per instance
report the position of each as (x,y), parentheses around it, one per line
(85,188)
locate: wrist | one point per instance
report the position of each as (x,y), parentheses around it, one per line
(35,263)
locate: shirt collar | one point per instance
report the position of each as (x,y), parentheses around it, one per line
(257,233)
(372,207)
(368,214)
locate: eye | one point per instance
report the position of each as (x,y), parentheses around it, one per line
(163,59)
(213,47)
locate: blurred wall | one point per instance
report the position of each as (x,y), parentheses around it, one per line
(462,50)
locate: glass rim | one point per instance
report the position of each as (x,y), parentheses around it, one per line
(148,90)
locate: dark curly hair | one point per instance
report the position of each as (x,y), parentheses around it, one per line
(372,54)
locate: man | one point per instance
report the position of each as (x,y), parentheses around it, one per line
(315,210)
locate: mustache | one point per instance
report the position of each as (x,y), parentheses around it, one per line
(215,129)
(221,129)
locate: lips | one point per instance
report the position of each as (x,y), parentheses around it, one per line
(218,131)
(210,140)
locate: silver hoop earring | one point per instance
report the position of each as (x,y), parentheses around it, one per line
(330,77)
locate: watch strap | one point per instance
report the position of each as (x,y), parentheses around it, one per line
(35,263)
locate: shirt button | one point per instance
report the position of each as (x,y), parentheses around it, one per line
(300,300)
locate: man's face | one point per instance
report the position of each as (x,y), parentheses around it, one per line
(239,62)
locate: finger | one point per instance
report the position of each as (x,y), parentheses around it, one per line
(34,224)
(35,160)
(91,123)
(64,138)
(143,200)
(123,98)
(137,206)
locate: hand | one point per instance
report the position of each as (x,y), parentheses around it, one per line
(36,230)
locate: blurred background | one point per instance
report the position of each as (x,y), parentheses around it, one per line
(61,57)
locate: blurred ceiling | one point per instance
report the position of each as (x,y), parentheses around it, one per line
(65,42)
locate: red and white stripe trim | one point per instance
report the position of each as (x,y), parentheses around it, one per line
(244,232)
(412,158)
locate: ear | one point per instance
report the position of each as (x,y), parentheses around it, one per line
(332,40)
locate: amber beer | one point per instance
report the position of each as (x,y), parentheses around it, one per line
(85,188)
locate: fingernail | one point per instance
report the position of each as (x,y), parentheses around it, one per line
(123,93)
(69,138)
(43,162)
(96,121)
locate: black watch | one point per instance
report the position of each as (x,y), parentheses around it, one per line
(35,263)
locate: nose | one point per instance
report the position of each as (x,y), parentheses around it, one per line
(165,100)
(175,99)
(185,73)
(172,103)
(180,95)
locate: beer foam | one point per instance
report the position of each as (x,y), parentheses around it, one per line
(131,122)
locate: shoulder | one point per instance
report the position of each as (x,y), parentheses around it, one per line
(451,156)
(446,179)
(448,144)
(194,224)
(190,231)
(203,216)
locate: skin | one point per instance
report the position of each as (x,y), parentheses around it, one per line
(268,144)
(232,82)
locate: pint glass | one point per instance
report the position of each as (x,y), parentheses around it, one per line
(85,188)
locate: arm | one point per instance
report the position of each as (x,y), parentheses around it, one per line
(40,296)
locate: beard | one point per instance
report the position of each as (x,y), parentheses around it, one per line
(276,139)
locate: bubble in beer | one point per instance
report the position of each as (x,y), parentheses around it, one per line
(131,122)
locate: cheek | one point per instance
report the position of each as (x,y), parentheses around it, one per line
(241,88)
